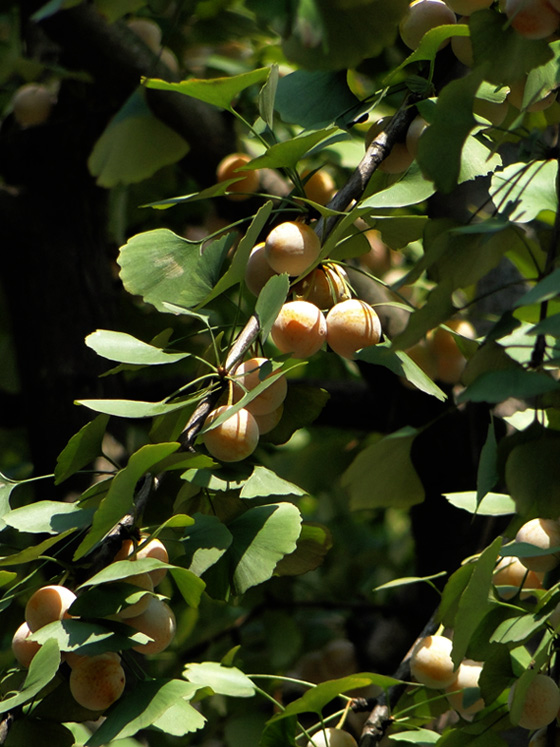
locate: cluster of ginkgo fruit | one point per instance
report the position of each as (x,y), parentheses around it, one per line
(97,681)
(431,663)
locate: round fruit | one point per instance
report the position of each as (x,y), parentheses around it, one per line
(73,659)
(235,439)
(157,622)
(352,325)
(431,663)
(424,359)
(510,571)
(415,129)
(517,92)
(23,649)
(269,421)
(541,703)
(422,16)
(466,7)
(32,104)
(96,682)
(148,31)
(292,247)
(494,111)
(323,286)
(257,271)
(247,377)
(462,48)
(533,19)
(299,329)
(449,359)
(378,259)
(539,738)
(319,187)
(542,533)
(467,676)
(143,581)
(228,169)
(152,549)
(332,738)
(47,604)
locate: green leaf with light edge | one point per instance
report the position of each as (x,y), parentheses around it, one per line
(6,488)
(81,449)
(42,669)
(221,679)
(441,144)
(219,92)
(421,737)
(120,496)
(493,504)
(549,326)
(474,602)
(162,267)
(431,43)
(261,537)
(317,697)
(142,707)
(34,551)
(312,545)
(89,638)
(517,629)
(130,408)
(546,289)
(288,154)
(408,580)
(134,145)
(180,719)
(263,482)
(269,302)
(487,472)
(401,364)
(49,517)
(382,475)
(410,189)
(124,348)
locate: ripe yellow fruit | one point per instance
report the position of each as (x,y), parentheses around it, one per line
(319,187)
(510,571)
(258,271)
(23,649)
(292,247)
(299,329)
(148,31)
(32,104)
(449,359)
(247,376)
(269,421)
(152,549)
(422,16)
(533,19)
(228,169)
(323,286)
(47,604)
(467,676)
(235,439)
(541,704)
(143,581)
(431,663)
(96,682)
(352,325)
(157,622)
(542,533)
(332,737)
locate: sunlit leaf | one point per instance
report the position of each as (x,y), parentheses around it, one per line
(42,669)
(88,638)
(290,152)
(221,679)
(263,483)
(493,504)
(49,517)
(124,348)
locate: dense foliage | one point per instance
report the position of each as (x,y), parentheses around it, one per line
(406,488)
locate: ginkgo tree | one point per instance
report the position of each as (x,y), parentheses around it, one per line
(334,516)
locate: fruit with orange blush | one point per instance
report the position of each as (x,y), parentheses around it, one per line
(48,604)
(235,438)
(352,325)
(23,649)
(292,247)
(248,375)
(96,682)
(229,168)
(300,329)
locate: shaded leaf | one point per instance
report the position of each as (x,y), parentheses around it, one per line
(134,145)
(269,302)
(83,448)
(28,731)
(42,669)
(205,543)
(411,189)
(383,475)
(315,99)
(290,152)
(547,288)
(33,551)
(312,545)
(303,404)
(497,386)
(532,475)
(49,517)
(88,638)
